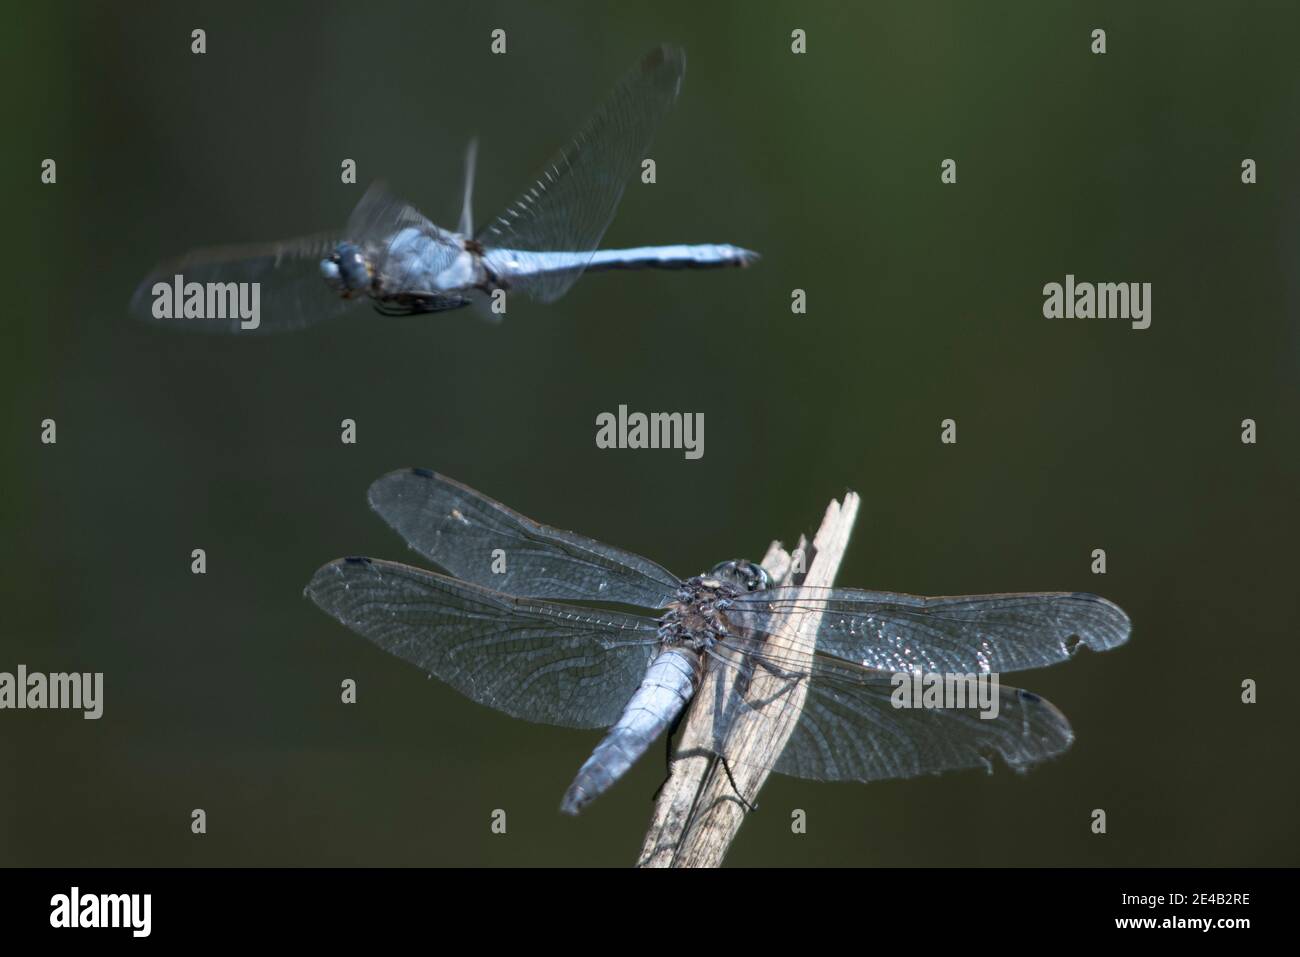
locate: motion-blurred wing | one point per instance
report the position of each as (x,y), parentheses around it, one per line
(290,291)
(572,203)
(971,633)
(380,213)
(460,529)
(556,664)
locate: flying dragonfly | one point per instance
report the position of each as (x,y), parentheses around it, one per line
(393,255)
(512,627)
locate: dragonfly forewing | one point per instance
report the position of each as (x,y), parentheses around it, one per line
(480,540)
(889,631)
(567,210)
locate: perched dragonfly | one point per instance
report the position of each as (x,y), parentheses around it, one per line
(508,631)
(394,256)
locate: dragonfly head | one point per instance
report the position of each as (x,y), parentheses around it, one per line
(346,270)
(747,576)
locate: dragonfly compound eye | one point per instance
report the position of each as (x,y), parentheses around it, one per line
(346,270)
(748,576)
(329,271)
(753,575)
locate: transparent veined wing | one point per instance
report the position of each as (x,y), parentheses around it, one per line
(550,663)
(461,529)
(290,292)
(893,632)
(849,729)
(380,213)
(572,203)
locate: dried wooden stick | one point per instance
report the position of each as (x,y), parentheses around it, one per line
(698,812)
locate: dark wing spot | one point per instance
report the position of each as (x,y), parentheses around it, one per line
(357,560)
(423,473)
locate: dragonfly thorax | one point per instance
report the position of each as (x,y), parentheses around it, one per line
(698,618)
(347,271)
(695,620)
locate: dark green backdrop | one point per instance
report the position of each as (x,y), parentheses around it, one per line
(924,303)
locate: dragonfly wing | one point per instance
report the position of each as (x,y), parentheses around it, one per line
(466,225)
(462,530)
(970,633)
(850,730)
(380,213)
(851,725)
(290,291)
(572,203)
(550,663)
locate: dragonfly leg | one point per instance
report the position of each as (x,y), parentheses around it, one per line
(411,304)
(745,673)
(791,678)
(704,752)
(668,754)
(779,672)
(751,808)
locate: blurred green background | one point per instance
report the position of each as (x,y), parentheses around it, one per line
(222,691)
